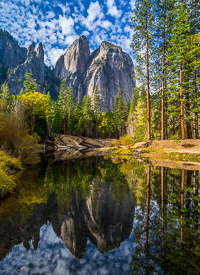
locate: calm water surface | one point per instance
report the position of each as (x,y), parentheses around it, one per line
(101,216)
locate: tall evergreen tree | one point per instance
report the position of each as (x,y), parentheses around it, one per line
(66,105)
(88,115)
(178,56)
(142,23)
(162,33)
(96,106)
(6,95)
(120,113)
(30,84)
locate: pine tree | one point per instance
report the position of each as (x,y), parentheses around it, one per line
(88,115)
(163,30)
(78,119)
(142,23)
(6,95)
(137,120)
(70,108)
(178,56)
(96,106)
(30,84)
(120,113)
(66,105)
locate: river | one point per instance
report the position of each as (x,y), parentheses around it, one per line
(101,216)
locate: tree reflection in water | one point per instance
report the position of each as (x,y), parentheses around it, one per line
(98,199)
(167,237)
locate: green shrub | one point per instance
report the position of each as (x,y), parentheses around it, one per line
(116,142)
(7,182)
(15,140)
(7,162)
(127,140)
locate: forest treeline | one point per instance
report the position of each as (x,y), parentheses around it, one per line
(166,44)
(45,117)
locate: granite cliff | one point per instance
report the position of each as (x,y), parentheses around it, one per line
(108,68)
(11,54)
(33,64)
(15,61)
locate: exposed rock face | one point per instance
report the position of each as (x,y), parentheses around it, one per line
(73,63)
(108,68)
(11,54)
(33,64)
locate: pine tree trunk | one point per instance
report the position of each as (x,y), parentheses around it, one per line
(64,126)
(147,82)
(188,124)
(97,127)
(181,102)
(163,89)
(166,118)
(196,132)
(163,101)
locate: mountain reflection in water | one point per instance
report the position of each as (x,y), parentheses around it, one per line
(77,217)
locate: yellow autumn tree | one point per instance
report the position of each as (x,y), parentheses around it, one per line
(37,104)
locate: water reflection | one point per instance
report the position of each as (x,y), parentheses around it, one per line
(77,217)
(167,232)
(84,200)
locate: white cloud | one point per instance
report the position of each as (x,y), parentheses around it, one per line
(53,55)
(81,5)
(70,39)
(132,4)
(106,24)
(112,9)
(57,29)
(94,11)
(95,18)
(65,8)
(86,33)
(66,24)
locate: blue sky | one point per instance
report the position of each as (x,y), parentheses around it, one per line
(58,23)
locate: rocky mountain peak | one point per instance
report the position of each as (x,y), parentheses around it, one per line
(11,54)
(72,65)
(109,46)
(108,68)
(34,64)
(40,50)
(75,58)
(31,49)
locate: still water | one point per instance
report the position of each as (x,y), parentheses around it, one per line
(101,216)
